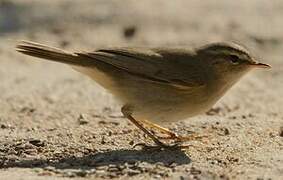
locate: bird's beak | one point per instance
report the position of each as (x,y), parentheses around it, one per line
(259,65)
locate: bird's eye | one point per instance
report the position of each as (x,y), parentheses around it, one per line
(234,59)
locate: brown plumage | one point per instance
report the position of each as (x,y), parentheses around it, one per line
(158,84)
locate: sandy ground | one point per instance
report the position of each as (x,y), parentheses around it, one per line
(57,124)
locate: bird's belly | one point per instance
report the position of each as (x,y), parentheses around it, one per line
(158,103)
(167,113)
(165,104)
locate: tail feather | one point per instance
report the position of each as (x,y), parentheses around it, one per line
(50,53)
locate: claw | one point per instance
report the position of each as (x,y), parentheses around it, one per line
(146,147)
(183,138)
(175,146)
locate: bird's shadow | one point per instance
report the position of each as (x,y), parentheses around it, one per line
(114,157)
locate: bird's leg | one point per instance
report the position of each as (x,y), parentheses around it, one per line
(127,112)
(171,135)
(160,128)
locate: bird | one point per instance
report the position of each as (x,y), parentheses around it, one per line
(158,85)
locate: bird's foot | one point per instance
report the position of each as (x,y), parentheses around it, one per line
(178,138)
(175,146)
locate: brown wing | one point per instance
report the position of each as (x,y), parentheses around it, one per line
(176,67)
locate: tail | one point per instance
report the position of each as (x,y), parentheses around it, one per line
(53,54)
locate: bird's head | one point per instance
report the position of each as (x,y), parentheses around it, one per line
(228,61)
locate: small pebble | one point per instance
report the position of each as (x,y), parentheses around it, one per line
(132,172)
(37,142)
(129,32)
(103,140)
(4,126)
(82,119)
(226,131)
(281,131)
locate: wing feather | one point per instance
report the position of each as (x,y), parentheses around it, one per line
(176,68)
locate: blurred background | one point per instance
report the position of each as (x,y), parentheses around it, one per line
(104,23)
(38,96)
